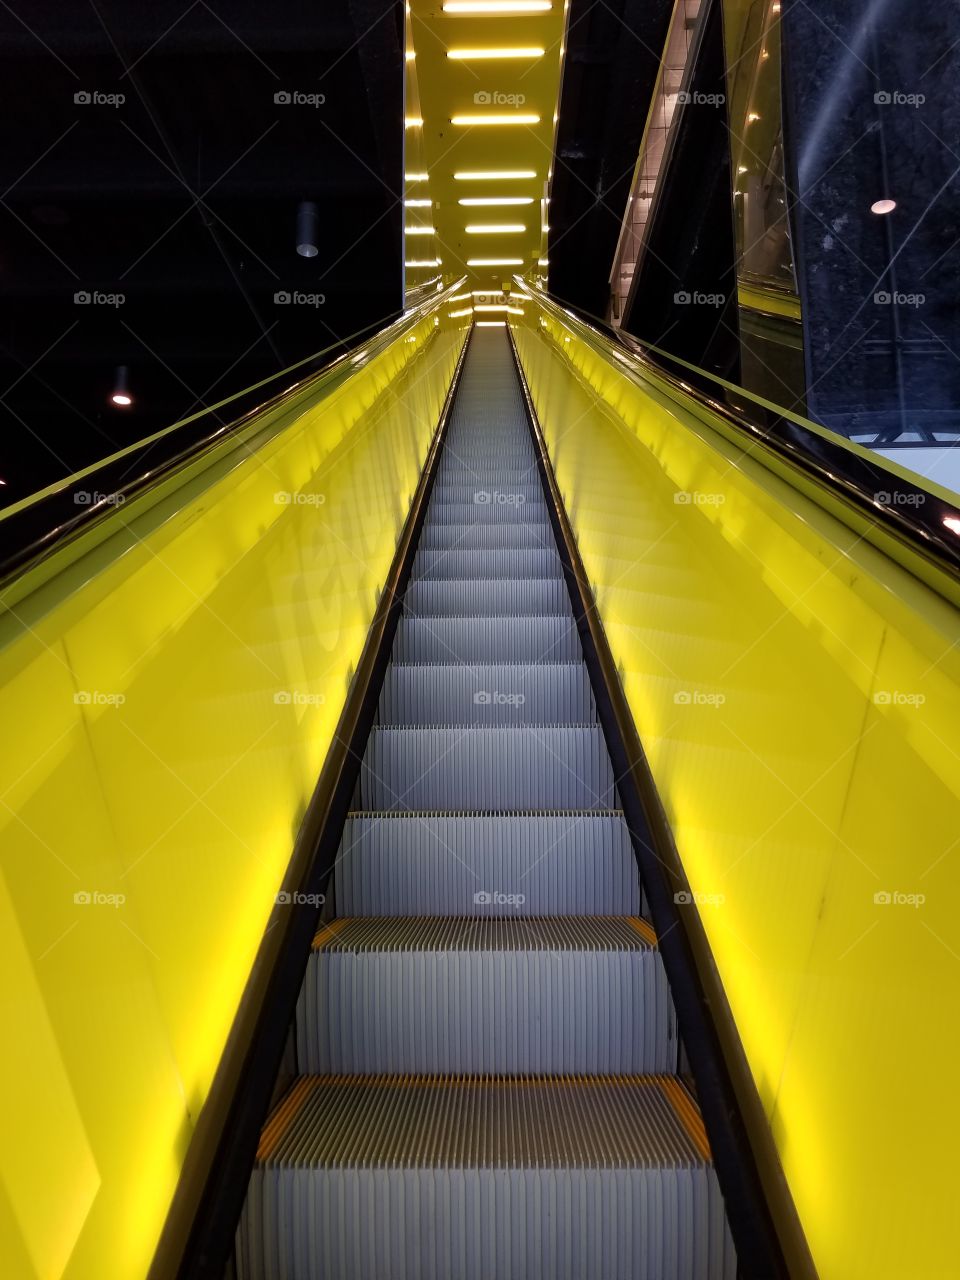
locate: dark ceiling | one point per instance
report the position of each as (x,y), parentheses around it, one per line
(613,54)
(181,195)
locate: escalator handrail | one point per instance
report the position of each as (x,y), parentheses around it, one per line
(923,523)
(33,529)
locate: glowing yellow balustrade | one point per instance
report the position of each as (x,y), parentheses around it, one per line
(798,695)
(168,689)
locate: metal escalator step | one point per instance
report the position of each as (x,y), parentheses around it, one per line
(489,768)
(482,864)
(427,1178)
(489,511)
(555,996)
(497,598)
(487,564)
(487,537)
(477,494)
(462,640)
(498,467)
(502,693)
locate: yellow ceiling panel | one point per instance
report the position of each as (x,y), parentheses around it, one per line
(486,84)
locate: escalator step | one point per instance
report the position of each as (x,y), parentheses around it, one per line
(501,477)
(497,598)
(503,693)
(556,996)
(457,864)
(487,537)
(427,1178)
(472,494)
(460,640)
(492,768)
(491,511)
(544,563)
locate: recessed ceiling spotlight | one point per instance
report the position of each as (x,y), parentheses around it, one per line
(120,395)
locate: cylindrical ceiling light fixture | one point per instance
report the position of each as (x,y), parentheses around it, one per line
(120,396)
(307,224)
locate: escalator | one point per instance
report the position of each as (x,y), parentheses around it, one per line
(606,705)
(489,1074)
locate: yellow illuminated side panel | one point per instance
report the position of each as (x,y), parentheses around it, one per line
(798,694)
(169,697)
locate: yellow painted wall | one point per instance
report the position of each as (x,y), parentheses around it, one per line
(168,698)
(798,695)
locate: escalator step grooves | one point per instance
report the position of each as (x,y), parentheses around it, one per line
(464,640)
(451,864)
(504,598)
(546,1122)
(418,1178)
(488,768)
(489,693)
(541,563)
(485,1039)
(509,997)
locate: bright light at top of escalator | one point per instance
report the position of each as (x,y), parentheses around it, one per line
(412,122)
(883,206)
(471,54)
(473,120)
(500,8)
(416,177)
(491,201)
(494,228)
(493,175)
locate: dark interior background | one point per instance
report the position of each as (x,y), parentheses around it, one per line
(175,188)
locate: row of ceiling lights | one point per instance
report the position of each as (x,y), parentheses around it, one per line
(470,120)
